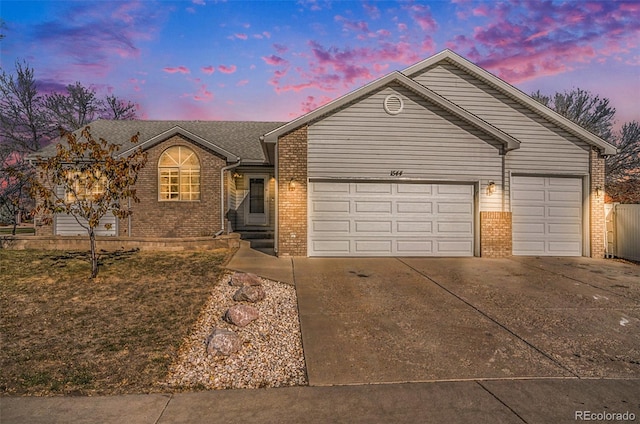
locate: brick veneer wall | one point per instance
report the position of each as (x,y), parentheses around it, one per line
(597,216)
(154,218)
(496,234)
(292,204)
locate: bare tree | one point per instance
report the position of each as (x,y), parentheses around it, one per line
(119,109)
(74,109)
(79,106)
(584,108)
(593,113)
(24,128)
(623,169)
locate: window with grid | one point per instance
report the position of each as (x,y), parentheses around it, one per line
(84,188)
(179,174)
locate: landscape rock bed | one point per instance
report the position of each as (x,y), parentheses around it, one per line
(271,353)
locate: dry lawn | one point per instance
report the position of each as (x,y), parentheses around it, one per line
(63,334)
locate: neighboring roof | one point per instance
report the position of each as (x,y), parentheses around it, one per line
(514,93)
(232,139)
(509,142)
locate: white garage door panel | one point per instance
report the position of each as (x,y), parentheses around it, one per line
(389,219)
(330,226)
(547,216)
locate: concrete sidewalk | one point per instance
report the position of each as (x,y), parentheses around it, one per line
(248,260)
(498,401)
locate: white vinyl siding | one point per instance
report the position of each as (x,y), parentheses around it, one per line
(423,141)
(547,216)
(66,225)
(390,219)
(545,148)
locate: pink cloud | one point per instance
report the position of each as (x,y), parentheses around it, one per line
(332,68)
(178,69)
(274,60)
(227,69)
(208,70)
(348,25)
(203,94)
(241,36)
(242,83)
(280,48)
(428,45)
(402,27)
(482,10)
(311,103)
(422,15)
(372,10)
(526,40)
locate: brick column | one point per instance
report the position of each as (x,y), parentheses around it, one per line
(292,198)
(496,240)
(596,203)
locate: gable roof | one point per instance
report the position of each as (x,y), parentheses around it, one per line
(508,141)
(514,93)
(231,139)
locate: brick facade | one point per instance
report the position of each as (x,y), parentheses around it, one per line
(596,211)
(495,234)
(154,218)
(292,202)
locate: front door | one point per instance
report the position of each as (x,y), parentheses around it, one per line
(257,206)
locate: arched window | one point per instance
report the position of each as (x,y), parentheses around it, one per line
(179,171)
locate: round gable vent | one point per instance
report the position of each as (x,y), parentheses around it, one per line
(393,104)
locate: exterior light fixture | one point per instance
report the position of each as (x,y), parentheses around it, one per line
(292,185)
(236,175)
(491,188)
(598,191)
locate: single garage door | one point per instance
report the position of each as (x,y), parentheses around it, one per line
(547,216)
(390,219)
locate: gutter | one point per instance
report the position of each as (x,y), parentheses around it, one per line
(222,211)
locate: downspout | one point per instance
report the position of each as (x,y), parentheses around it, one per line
(504,155)
(222,211)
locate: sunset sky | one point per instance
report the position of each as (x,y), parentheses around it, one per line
(275,60)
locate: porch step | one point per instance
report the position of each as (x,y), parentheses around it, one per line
(261,243)
(253,235)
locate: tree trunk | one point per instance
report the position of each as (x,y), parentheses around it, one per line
(94,254)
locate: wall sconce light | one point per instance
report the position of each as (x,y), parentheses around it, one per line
(491,188)
(598,191)
(236,175)
(292,185)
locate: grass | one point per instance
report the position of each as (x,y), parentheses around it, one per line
(64,334)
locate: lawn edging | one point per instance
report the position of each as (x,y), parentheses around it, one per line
(20,242)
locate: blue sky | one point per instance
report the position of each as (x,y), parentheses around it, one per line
(275,60)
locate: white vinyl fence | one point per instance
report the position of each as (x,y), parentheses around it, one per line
(622,231)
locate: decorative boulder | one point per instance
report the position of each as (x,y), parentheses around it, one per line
(223,342)
(251,294)
(241,315)
(240,279)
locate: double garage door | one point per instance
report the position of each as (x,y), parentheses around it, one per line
(390,219)
(407,219)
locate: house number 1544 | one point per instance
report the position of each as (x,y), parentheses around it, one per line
(396,173)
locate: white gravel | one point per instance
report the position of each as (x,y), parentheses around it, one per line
(271,355)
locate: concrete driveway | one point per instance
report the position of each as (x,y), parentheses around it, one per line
(383,320)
